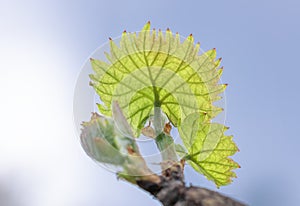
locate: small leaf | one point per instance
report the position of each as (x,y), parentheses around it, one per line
(104,142)
(98,140)
(210,151)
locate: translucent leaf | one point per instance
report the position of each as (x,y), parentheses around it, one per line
(209,150)
(103,142)
(152,69)
(120,121)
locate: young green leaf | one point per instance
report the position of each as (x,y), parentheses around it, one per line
(98,139)
(151,69)
(208,148)
(103,141)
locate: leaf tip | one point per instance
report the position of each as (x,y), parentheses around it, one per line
(190,38)
(147,26)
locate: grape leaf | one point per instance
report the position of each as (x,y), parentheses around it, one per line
(107,140)
(209,149)
(98,139)
(151,69)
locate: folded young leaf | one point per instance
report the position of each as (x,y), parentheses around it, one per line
(99,142)
(104,142)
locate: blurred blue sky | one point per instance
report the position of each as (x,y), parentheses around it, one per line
(43,45)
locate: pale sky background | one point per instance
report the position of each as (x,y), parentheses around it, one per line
(43,45)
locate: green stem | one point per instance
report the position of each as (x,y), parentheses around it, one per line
(157,120)
(165,144)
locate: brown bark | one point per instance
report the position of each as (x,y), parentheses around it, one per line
(169,188)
